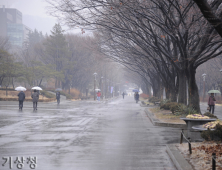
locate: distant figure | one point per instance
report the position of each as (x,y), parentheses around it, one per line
(98,95)
(137,97)
(58,97)
(35,98)
(123,95)
(21,98)
(211,103)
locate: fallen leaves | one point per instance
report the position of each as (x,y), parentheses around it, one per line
(201,157)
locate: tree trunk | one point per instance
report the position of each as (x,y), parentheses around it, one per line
(182,96)
(56,83)
(40,82)
(13,83)
(168,93)
(6,87)
(173,94)
(194,99)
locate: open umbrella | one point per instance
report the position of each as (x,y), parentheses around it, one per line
(36,88)
(20,88)
(58,89)
(214,91)
(135,90)
(97,90)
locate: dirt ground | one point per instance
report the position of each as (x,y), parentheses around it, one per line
(166,116)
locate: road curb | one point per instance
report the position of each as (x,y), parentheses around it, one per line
(177,158)
(156,122)
(142,105)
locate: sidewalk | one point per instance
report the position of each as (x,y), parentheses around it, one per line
(217,111)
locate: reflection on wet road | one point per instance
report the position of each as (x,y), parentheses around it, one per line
(84,135)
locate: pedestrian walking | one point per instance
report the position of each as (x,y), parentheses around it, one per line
(211,103)
(35,98)
(123,95)
(58,97)
(98,95)
(21,98)
(137,97)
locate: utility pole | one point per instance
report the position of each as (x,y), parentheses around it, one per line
(203,75)
(102,87)
(95,86)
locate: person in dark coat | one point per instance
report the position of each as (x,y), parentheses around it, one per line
(211,103)
(123,95)
(137,97)
(35,98)
(58,97)
(21,98)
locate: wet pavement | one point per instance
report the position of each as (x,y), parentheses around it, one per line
(217,110)
(84,135)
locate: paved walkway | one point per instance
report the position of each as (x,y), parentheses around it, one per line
(85,135)
(217,111)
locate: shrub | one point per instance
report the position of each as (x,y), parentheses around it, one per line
(210,115)
(167,106)
(174,107)
(185,110)
(162,102)
(154,99)
(47,94)
(213,134)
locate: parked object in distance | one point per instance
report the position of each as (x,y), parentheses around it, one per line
(214,91)
(36,88)
(20,88)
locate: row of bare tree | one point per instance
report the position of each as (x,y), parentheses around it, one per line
(162,41)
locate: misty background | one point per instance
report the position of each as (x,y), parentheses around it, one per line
(35,15)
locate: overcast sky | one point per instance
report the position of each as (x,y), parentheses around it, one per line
(34,14)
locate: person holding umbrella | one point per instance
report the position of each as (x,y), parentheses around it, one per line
(35,98)
(21,96)
(58,97)
(98,95)
(211,100)
(137,97)
(211,103)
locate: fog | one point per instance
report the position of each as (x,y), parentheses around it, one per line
(35,14)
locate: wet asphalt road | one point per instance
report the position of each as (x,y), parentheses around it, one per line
(84,135)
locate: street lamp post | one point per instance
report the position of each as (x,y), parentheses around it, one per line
(203,75)
(102,87)
(221,82)
(95,85)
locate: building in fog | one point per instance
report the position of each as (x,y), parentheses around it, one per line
(11,26)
